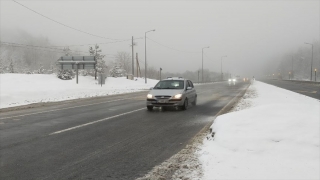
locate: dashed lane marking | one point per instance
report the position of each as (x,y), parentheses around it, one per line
(93,122)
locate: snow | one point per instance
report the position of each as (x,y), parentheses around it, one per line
(272,133)
(22,89)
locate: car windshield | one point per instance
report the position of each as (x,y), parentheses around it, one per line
(170,84)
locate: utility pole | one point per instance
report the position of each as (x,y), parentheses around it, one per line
(132,58)
(138,66)
(160,73)
(95,69)
(198,76)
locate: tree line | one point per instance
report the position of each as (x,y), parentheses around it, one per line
(38,55)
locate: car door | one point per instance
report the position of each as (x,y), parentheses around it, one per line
(190,92)
(193,91)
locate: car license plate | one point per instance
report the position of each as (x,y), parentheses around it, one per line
(161,101)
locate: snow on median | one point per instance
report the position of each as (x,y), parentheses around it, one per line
(22,89)
(273,133)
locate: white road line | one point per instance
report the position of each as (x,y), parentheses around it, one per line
(66,108)
(82,125)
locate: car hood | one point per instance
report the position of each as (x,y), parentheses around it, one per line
(165,92)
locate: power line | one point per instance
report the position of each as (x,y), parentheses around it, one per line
(51,49)
(32,47)
(97,43)
(172,48)
(62,23)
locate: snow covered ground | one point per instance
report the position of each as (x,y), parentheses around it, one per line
(272,133)
(22,89)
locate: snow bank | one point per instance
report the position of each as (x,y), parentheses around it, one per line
(276,137)
(22,89)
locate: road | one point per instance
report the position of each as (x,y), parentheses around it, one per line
(311,90)
(112,137)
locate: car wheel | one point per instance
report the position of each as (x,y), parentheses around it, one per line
(185,104)
(150,108)
(194,103)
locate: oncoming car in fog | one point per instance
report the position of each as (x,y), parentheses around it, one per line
(232,81)
(174,92)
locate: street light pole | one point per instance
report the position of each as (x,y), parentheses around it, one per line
(145,55)
(202,63)
(198,77)
(292,69)
(311,59)
(315,75)
(221,68)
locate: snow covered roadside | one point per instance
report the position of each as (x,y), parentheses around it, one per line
(22,89)
(272,133)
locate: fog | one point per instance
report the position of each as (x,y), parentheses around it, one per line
(256,36)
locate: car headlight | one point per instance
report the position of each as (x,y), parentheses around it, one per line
(178,96)
(234,80)
(149,96)
(229,79)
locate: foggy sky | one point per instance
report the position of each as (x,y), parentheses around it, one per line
(248,32)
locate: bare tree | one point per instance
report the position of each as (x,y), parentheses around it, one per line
(66,51)
(123,60)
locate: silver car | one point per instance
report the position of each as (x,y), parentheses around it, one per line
(176,92)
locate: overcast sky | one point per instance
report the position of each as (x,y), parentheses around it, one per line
(248,32)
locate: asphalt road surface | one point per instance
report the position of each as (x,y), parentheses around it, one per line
(311,90)
(112,137)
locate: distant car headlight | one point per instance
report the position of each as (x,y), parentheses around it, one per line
(229,79)
(149,96)
(178,96)
(233,80)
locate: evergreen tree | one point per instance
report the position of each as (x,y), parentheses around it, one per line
(65,74)
(101,64)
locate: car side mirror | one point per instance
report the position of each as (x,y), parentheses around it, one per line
(189,88)
(151,88)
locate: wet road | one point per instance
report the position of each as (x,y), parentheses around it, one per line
(112,137)
(311,90)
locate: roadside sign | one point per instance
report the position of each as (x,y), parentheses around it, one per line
(78,62)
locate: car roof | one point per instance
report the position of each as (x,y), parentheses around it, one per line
(174,78)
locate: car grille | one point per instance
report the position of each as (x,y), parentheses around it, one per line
(163,97)
(162,104)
